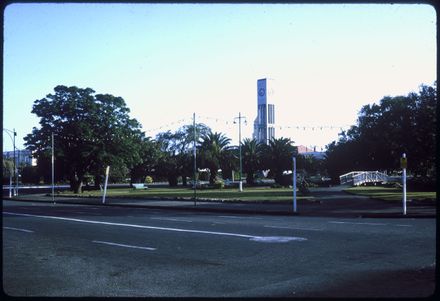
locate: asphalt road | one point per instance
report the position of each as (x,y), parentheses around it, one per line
(83,250)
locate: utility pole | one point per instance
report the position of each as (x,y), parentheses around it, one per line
(195,162)
(239,146)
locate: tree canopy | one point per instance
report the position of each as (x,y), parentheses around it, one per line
(277,156)
(384,131)
(213,148)
(91,131)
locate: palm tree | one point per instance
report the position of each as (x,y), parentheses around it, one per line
(229,161)
(252,152)
(278,157)
(212,148)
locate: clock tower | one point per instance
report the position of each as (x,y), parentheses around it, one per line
(264,124)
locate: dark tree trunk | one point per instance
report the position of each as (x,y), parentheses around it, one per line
(250,178)
(78,187)
(76,182)
(212,177)
(97,181)
(279,178)
(172,181)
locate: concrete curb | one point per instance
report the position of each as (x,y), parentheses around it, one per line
(231,210)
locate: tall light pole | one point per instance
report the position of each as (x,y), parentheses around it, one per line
(239,146)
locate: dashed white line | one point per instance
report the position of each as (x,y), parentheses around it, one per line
(368,224)
(123,245)
(239,217)
(293,228)
(171,219)
(251,237)
(18,229)
(277,238)
(353,223)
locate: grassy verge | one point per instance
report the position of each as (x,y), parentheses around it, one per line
(258,194)
(392,194)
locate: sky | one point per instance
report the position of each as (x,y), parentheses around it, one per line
(168,61)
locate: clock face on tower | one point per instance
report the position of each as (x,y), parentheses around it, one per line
(261,92)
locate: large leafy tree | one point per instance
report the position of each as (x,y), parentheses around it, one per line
(213,147)
(149,154)
(168,162)
(252,155)
(229,161)
(8,169)
(278,157)
(91,131)
(401,124)
(176,152)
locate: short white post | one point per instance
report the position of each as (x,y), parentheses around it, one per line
(53,171)
(10,183)
(404,165)
(294,183)
(107,171)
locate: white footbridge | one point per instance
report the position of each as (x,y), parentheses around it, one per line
(357,178)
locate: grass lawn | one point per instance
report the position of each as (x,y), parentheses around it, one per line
(391,194)
(259,194)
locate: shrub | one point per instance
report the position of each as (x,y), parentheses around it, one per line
(218,184)
(303,187)
(148,180)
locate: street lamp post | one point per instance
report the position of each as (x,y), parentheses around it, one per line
(239,147)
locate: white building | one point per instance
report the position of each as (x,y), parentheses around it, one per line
(24,157)
(264,124)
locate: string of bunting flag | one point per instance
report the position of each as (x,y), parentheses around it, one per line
(230,124)
(81,139)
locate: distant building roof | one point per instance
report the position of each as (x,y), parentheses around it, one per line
(304,150)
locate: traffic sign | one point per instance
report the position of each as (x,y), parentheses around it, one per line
(403,162)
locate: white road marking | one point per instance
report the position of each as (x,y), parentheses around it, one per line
(277,238)
(122,245)
(293,228)
(353,223)
(239,217)
(251,237)
(17,229)
(368,224)
(171,219)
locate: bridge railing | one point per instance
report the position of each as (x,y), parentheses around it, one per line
(348,177)
(357,178)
